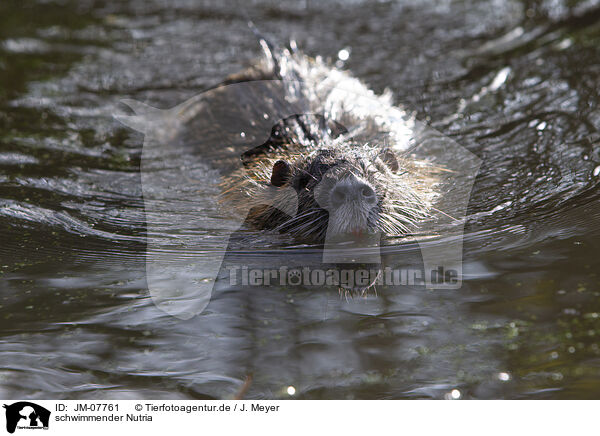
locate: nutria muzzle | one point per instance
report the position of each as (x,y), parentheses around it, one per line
(351,203)
(352,191)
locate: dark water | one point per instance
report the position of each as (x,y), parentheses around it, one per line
(514,82)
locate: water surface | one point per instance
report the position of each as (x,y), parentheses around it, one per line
(514,82)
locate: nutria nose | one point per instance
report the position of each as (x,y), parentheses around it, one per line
(352,190)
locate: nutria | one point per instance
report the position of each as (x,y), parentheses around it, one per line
(348,161)
(298,146)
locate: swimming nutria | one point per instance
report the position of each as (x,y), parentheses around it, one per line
(348,160)
(294,145)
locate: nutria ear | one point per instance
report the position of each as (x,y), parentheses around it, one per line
(281,173)
(389,158)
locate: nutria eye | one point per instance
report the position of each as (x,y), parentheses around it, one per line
(281,173)
(389,158)
(367,192)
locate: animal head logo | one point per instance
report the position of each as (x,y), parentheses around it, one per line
(188,150)
(26,415)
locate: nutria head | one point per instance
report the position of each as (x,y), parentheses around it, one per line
(341,190)
(350,191)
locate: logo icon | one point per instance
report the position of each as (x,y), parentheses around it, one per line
(26,415)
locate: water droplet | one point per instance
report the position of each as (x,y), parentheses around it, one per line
(596,171)
(455,394)
(499,79)
(344,54)
(291,390)
(564,44)
(504,376)
(541,126)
